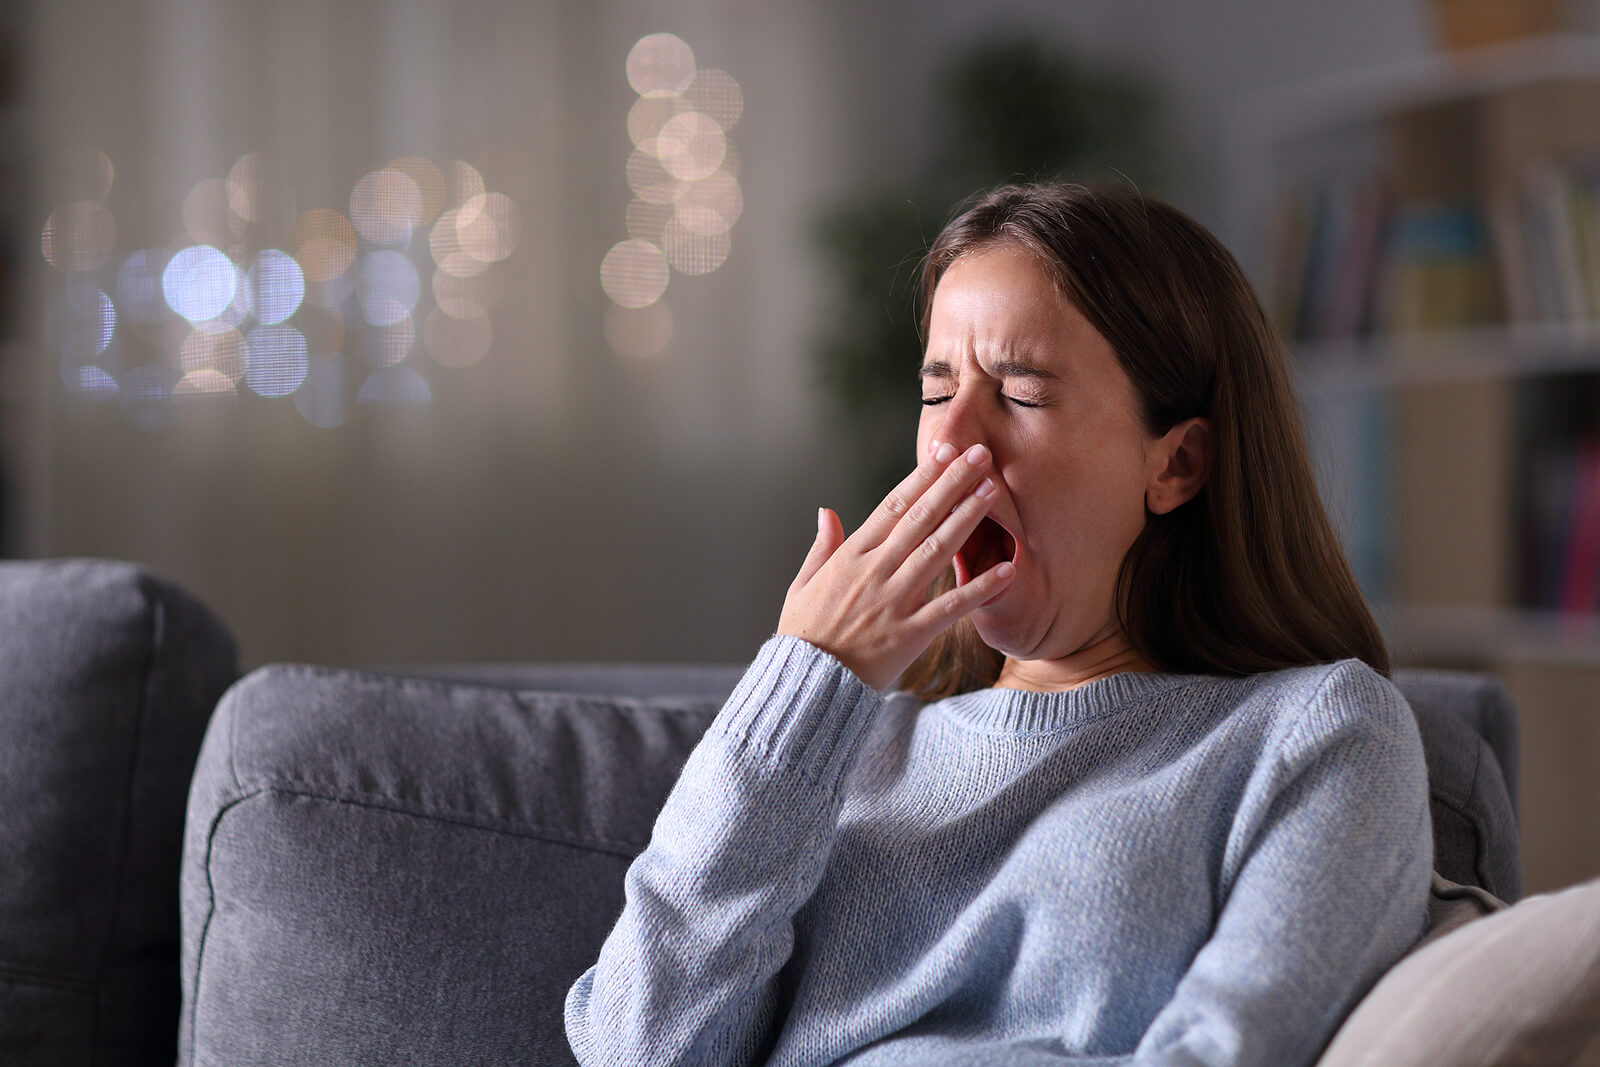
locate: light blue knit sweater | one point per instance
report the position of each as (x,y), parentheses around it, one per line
(1150,869)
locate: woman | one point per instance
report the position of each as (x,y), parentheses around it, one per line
(1146,795)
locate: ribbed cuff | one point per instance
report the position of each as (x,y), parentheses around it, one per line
(801,707)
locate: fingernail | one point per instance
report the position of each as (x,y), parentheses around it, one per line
(819,520)
(1005,570)
(945,452)
(975,454)
(985,488)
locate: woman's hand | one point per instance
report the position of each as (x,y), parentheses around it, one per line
(864,600)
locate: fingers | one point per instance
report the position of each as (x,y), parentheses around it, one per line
(940,521)
(881,523)
(830,535)
(949,607)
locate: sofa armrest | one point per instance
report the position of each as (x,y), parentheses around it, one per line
(107,678)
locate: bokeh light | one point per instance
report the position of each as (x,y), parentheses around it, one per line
(486,227)
(384,346)
(714,93)
(275,286)
(429,181)
(718,194)
(95,383)
(646,117)
(324,244)
(684,175)
(463,183)
(693,253)
(222,352)
(199,282)
(252,293)
(639,332)
(467,298)
(79,237)
(275,360)
(398,386)
(386,206)
(634,273)
(388,287)
(204,383)
(444,245)
(647,221)
(660,65)
(245,183)
(691,146)
(208,219)
(649,180)
(81,325)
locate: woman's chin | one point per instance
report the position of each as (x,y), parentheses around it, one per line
(1001,629)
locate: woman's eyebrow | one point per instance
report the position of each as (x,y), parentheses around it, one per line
(1015,368)
(1008,368)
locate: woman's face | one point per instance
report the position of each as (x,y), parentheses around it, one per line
(1012,365)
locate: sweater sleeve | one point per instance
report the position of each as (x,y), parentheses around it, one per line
(688,974)
(1324,885)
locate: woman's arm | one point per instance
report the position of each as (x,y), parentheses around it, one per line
(1325,885)
(688,975)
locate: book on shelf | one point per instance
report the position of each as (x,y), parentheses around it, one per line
(1354,262)
(1561,529)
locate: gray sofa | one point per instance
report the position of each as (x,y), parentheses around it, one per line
(397,868)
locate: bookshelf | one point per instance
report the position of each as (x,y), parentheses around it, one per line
(1428,238)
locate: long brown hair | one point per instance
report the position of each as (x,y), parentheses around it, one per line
(1248,575)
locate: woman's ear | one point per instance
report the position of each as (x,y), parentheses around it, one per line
(1179,462)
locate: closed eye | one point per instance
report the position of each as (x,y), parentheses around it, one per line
(930,401)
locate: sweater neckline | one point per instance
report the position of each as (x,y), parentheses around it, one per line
(1030,711)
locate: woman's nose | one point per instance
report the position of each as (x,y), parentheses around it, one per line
(959,424)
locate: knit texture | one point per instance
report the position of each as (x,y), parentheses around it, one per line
(1149,869)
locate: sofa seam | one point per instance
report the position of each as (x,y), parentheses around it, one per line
(693,703)
(316,791)
(154,632)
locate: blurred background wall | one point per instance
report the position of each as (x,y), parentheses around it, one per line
(556,498)
(374,322)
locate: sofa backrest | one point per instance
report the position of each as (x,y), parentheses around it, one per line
(393,869)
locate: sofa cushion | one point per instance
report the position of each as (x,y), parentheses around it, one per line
(107,678)
(1469,739)
(393,870)
(1518,987)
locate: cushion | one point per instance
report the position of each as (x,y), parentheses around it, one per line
(397,870)
(1469,739)
(1518,987)
(107,678)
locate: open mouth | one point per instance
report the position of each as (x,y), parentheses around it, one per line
(989,544)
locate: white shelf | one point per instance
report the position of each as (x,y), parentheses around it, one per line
(1308,108)
(1490,635)
(1515,351)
